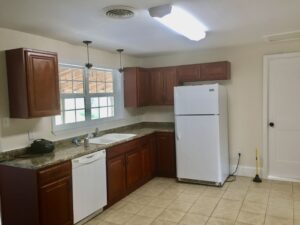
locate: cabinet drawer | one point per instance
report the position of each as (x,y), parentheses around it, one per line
(121,149)
(50,174)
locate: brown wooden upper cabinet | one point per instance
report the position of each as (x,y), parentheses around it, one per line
(32,83)
(188,73)
(136,87)
(163,81)
(215,71)
(155,86)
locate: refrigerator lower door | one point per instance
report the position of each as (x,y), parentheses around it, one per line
(198,148)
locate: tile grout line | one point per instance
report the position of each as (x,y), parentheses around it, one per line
(165,209)
(235,221)
(198,195)
(293,202)
(191,207)
(269,193)
(216,206)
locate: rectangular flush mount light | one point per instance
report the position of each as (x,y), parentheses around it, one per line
(180,21)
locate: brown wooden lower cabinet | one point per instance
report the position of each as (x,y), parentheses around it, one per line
(146,160)
(36,197)
(141,164)
(44,197)
(166,155)
(116,178)
(56,203)
(129,166)
(134,172)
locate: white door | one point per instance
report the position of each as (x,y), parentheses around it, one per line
(197,148)
(196,100)
(284,116)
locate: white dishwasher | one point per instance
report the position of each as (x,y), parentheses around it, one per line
(89,185)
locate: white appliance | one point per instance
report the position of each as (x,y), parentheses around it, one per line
(89,185)
(201,134)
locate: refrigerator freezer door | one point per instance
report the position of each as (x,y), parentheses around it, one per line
(197,148)
(196,100)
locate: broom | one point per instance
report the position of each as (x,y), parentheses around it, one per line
(257,178)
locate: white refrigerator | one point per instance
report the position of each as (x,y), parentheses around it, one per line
(201,134)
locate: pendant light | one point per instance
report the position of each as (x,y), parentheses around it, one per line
(88,64)
(121,69)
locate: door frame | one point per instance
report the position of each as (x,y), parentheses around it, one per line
(265,152)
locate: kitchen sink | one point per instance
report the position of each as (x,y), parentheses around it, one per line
(110,138)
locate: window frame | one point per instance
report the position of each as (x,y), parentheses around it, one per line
(117,94)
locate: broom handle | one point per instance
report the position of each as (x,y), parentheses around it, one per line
(257,162)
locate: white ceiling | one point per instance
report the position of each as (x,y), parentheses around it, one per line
(229,22)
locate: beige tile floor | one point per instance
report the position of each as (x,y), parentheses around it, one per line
(166,202)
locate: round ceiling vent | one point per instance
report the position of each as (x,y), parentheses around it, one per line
(119,12)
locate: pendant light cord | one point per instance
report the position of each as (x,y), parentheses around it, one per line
(121,67)
(88,53)
(88,64)
(120,54)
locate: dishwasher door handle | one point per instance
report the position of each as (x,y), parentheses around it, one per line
(90,158)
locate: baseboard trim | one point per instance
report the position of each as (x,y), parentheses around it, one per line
(245,171)
(283,179)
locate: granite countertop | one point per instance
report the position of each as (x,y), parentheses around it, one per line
(65,150)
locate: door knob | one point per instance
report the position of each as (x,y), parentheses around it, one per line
(271,124)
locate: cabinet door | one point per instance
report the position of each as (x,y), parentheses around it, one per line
(157,87)
(166,162)
(130,87)
(134,169)
(153,155)
(143,87)
(170,81)
(146,160)
(116,179)
(42,81)
(56,207)
(215,71)
(188,73)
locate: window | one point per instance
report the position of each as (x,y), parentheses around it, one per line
(87,96)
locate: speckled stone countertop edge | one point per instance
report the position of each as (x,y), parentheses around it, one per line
(65,151)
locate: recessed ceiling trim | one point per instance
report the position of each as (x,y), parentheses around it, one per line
(288,36)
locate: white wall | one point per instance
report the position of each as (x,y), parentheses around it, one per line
(244,90)
(14,132)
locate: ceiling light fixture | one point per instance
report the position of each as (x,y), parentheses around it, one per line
(121,69)
(88,64)
(179,21)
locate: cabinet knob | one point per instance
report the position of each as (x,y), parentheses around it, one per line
(271,124)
